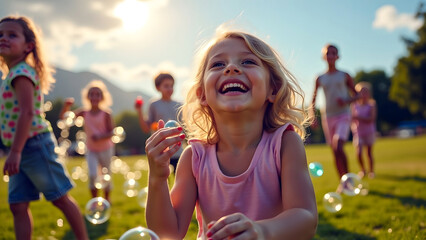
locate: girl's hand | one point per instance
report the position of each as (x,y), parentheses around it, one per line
(234,226)
(160,146)
(11,166)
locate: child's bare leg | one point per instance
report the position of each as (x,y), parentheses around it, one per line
(106,192)
(72,213)
(94,192)
(22,220)
(340,157)
(370,160)
(360,161)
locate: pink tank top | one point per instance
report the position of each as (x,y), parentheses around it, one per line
(256,192)
(96,124)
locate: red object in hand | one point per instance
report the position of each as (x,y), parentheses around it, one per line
(139,101)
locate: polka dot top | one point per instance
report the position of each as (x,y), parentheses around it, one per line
(9,107)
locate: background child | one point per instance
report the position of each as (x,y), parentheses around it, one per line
(98,126)
(32,162)
(363,126)
(164,108)
(245,170)
(338,87)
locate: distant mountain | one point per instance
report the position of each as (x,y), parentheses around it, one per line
(69,84)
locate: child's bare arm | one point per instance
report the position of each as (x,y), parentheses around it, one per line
(168,214)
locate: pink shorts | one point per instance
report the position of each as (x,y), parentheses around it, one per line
(336,127)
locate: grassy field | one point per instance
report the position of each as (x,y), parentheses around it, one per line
(393,209)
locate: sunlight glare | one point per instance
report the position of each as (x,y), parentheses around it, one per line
(133,14)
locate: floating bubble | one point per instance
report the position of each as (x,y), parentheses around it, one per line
(142,197)
(98,210)
(119,134)
(79,121)
(68,118)
(351,184)
(65,133)
(61,124)
(116,164)
(139,233)
(60,222)
(102,181)
(80,136)
(316,169)
(47,106)
(131,188)
(332,202)
(171,124)
(80,147)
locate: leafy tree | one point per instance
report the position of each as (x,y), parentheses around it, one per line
(389,114)
(408,87)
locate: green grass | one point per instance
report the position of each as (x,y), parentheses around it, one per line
(393,209)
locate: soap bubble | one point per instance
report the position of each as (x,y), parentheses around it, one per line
(102,181)
(119,134)
(80,147)
(139,233)
(79,121)
(316,169)
(351,184)
(98,210)
(131,188)
(332,202)
(171,123)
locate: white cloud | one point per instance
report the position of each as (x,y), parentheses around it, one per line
(141,77)
(388,17)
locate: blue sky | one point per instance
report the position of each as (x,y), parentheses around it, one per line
(100,35)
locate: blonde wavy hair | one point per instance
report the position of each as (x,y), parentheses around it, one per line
(288,106)
(106,101)
(35,57)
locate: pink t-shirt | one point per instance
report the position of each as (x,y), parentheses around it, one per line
(256,192)
(96,124)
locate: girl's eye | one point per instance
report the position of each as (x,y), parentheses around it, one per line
(249,61)
(217,64)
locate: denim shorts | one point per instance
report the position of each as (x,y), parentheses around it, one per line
(39,172)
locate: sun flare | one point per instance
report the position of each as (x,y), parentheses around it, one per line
(133,14)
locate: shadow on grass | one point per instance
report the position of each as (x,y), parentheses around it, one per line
(96,231)
(403,178)
(325,230)
(405,200)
